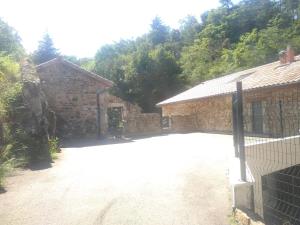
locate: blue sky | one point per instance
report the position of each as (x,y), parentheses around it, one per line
(80,27)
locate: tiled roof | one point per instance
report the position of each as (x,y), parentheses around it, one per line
(76,67)
(273,74)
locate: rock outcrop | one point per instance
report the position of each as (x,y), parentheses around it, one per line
(34,117)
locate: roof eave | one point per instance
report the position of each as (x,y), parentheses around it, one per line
(228,93)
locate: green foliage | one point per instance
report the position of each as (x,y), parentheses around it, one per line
(229,38)
(18,145)
(53,147)
(236,37)
(159,33)
(145,70)
(88,64)
(10,41)
(46,50)
(189,30)
(5,168)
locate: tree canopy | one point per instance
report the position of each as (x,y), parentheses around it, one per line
(46,50)
(165,61)
(229,38)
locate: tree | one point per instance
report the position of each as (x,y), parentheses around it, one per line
(46,50)
(229,38)
(226,3)
(189,29)
(159,32)
(10,42)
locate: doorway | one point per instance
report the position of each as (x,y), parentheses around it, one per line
(115,120)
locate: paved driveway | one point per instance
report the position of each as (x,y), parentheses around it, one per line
(168,180)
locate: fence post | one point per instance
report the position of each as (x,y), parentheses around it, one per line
(240,130)
(234,124)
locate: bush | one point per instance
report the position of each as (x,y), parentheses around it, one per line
(5,167)
(54,147)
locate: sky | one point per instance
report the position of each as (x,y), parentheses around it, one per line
(81,27)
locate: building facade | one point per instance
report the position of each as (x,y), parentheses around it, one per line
(71,93)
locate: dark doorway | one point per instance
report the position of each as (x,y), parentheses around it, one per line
(257,118)
(115,120)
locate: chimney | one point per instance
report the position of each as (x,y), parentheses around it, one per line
(283,57)
(290,54)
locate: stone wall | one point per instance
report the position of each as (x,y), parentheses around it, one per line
(214,113)
(274,124)
(73,98)
(135,122)
(144,123)
(209,114)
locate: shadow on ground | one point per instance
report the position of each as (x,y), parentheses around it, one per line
(2,190)
(40,165)
(80,143)
(89,142)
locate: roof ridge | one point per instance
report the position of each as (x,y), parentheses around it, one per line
(75,66)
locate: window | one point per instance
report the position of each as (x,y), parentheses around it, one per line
(257,117)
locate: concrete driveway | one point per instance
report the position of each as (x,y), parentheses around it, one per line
(178,179)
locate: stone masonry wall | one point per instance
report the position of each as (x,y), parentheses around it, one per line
(135,122)
(209,114)
(73,98)
(214,113)
(144,123)
(289,96)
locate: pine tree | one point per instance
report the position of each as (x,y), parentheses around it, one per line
(46,50)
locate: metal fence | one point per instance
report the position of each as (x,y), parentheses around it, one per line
(281,195)
(266,135)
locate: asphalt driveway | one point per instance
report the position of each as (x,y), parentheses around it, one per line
(178,179)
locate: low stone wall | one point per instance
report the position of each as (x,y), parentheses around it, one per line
(209,114)
(143,123)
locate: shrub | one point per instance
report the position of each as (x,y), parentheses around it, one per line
(5,167)
(54,147)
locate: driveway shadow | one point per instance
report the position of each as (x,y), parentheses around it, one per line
(89,142)
(40,165)
(2,190)
(80,143)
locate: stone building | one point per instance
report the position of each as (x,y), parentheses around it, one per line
(71,92)
(208,106)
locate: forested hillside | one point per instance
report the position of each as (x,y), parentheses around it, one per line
(165,61)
